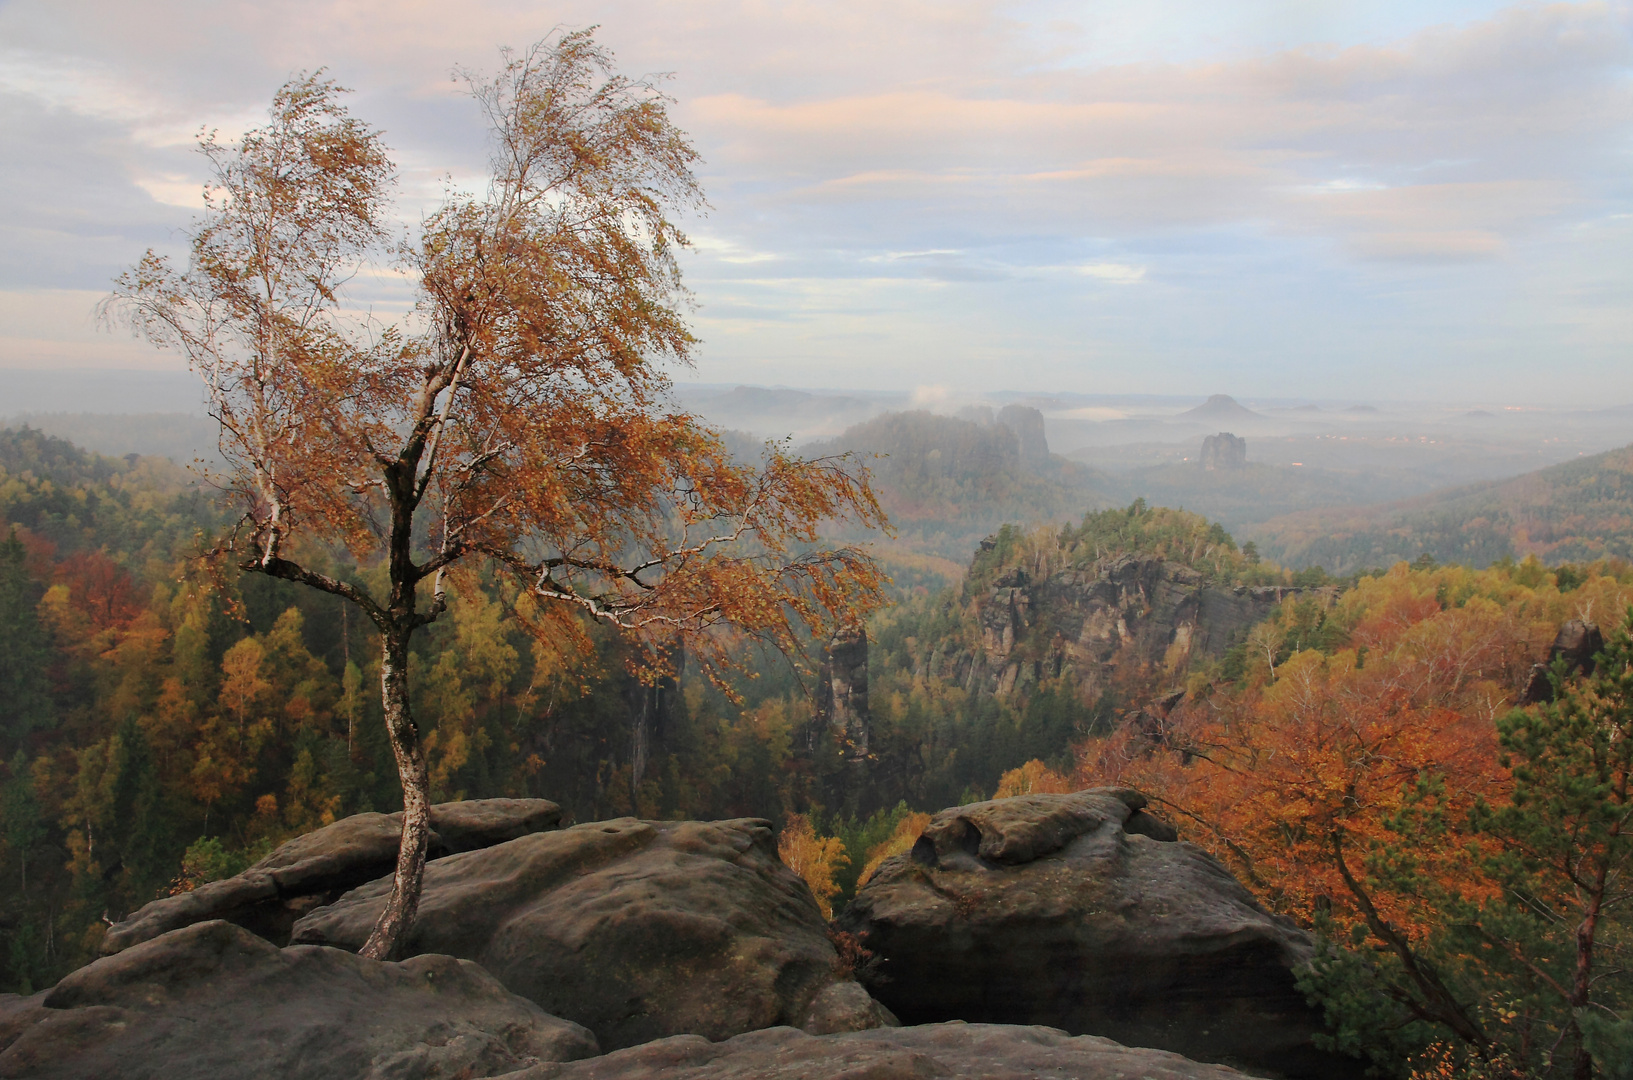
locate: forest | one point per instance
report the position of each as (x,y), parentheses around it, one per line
(1356,756)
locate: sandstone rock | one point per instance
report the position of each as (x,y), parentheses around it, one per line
(1082,912)
(635,929)
(1224,452)
(1030,441)
(842,711)
(216,1002)
(846,1006)
(1086,623)
(316,868)
(1577,643)
(965,1051)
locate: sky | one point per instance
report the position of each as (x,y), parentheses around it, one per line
(1335,201)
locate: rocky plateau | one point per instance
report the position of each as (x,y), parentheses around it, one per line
(1018,939)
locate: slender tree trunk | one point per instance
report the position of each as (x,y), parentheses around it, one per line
(390,932)
(1582,985)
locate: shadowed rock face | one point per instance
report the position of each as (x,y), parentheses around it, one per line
(637,930)
(1577,643)
(965,1051)
(316,868)
(1082,912)
(215,1002)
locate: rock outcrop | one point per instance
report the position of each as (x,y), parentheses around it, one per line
(1224,452)
(216,1002)
(1030,440)
(842,711)
(1083,912)
(965,1051)
(638,930)
(1088,622)
(1577,643)
(316,868)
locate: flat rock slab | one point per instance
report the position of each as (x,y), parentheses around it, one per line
(636,929)
(313,869)
(215,1002)
(1082,912)
(965,1051)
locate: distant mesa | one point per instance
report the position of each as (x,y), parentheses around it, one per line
(1027,424)
(1362,408)
(1481,414)
(1224,452)
(1305,408)
(1220,408)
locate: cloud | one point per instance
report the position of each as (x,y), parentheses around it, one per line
(950,183)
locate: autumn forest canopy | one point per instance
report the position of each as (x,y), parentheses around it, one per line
(486,551)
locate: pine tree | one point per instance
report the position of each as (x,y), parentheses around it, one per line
(25,650)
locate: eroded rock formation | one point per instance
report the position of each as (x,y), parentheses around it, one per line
(1083,912)
(1086,623)
(1224,452)
(842,711)
(213,1001)
(1027,424)
(636,929)
(1577,643)
(316,868)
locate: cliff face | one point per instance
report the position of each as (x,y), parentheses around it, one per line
(842,692)
(1128,613)
(1224,452)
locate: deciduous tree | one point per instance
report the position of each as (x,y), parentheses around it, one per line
(520,419)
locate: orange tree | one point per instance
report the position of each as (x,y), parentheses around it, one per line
(1341,782)
(518,420)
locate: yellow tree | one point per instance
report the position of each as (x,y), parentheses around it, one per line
(519,420)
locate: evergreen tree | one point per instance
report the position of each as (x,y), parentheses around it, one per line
(1565,842)
(25,650)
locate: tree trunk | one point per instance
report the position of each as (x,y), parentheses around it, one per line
(391,931)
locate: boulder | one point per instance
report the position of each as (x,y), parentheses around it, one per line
(318,867)
(1083,912)
(636,929)
(846,1006)
(966,1051)
(216,1002)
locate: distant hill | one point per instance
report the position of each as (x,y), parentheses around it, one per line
(1220,409)
(779,411)
(1574,512)
(181,437)
(1238,498)
(947,482)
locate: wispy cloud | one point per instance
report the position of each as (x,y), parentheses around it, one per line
(949,192)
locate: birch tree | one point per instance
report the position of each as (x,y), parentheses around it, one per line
(521,419)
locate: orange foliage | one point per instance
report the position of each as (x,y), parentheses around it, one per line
(1033,778)
(1292,776)
(519,422)
(814,858)
(899,842)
